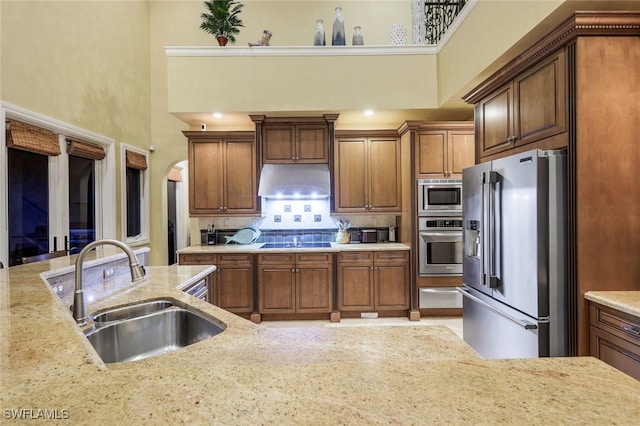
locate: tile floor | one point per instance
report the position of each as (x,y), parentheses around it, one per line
(454,323)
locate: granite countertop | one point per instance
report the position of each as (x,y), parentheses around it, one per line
(624,301)
(255,248)
(252,374)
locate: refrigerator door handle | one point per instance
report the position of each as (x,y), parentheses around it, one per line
(524,324)
(490,277)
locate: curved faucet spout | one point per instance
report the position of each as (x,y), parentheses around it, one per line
(137,273)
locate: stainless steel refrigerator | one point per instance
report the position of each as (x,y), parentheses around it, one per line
(514,263)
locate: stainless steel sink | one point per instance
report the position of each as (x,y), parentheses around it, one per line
(152,334)
(132,311)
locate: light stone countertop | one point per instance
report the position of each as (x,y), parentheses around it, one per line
(255,248)
(624,301)
(251,374)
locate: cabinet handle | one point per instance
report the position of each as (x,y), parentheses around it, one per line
(631,330)
(293,269)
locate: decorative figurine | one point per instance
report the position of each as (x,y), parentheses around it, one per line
(264,39)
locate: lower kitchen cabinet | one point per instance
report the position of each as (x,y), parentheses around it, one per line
(232,283)
(615,338)
(373,281)
(291,283)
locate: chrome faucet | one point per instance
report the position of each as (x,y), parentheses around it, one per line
(137,273)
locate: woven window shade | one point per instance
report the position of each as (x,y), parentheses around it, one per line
(174,175)
(85,150)
(31,138)
(136,161)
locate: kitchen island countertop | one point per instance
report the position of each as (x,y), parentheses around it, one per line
(252,374)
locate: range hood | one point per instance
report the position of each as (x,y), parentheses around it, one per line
(294,181)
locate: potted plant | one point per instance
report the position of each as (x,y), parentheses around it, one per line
(222,21)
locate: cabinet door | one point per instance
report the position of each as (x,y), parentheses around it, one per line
(355,287)
(276,289)
(384,175)
(391,286)
(240,177)
(314,289)
(312,144)
(235,288)
(278,144)
(541,99)
(350,175)
(205,177)
(460,152)
(495,120)
(431,154)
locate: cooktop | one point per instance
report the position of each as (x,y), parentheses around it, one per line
(292,245)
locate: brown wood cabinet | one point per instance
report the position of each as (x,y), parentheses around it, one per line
(531,107)
(615,338)
(295,283)
(578,77)
(373,280)
(222,173)
(367,173)
(444,149)
(299,143)
(232,283)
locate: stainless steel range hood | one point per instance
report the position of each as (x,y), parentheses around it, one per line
(295,181)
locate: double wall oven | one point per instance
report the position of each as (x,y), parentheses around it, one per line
(439,239)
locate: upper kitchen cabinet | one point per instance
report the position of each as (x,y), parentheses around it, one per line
(529,108)
(443,149)
(295,139)
(367,172)
(222,173)
(576,88)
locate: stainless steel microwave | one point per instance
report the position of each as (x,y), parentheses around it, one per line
(439,197)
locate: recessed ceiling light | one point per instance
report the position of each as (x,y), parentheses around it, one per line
(217,115)
(368,112)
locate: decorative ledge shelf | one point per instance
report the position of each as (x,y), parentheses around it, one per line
(193,51)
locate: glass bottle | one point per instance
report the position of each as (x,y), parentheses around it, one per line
(357,40)
(338,38)
(318,38)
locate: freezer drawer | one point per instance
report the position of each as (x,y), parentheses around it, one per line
(440,298)
(496,331)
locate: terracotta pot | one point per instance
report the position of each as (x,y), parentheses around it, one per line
(222,40)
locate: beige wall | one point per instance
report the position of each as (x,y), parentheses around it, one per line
(83,63)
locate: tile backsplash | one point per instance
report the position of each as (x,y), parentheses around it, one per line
(292,214)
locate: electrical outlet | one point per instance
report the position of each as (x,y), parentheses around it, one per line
(107,273)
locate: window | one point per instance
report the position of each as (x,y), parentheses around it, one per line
(59,193)
(135,198)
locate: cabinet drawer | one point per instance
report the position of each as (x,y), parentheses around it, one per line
(197,259)
(313,258)
(391,256)
(617,352)
(234,258)
(620,324)
(276,258)
(355,256)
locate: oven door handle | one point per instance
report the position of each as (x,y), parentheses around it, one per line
(441,234)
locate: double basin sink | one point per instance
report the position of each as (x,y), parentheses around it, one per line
(147,329)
